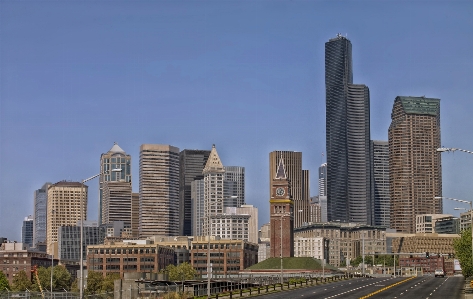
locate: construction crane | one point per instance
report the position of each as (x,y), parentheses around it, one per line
(35,271)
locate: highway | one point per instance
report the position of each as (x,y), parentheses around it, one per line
(427,287)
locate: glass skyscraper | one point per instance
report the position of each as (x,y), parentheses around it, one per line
(349,197)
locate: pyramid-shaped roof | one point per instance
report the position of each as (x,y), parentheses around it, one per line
(214,164)
(281,171)
(116,149)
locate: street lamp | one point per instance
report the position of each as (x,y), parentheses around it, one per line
(448,149)
(471,217)
(81,288)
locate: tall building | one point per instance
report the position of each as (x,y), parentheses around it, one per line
(380,179)
(298,179)
(415,166)
(116,204)
(214,173)
(323,180)
(349,195)
(135,214)
(234,186)
(281,213)
(67,204)
(191,165)
(115,158)
(27,231)
(159,190)
(40,214)
(69,240)
(198,206)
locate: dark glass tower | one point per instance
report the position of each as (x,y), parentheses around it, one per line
(191,165)
(347,138)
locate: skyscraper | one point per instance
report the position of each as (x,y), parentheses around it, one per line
(115,158)
(67,204)
(40,214)
(298,179)
(234,186)
(191,165)
(380,187)
(116,205)
(198,207)
(415,166)
(213,189)
(27,231)
(347,137)
(323,180)
(159,190)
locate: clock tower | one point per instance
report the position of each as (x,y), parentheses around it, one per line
(281,214)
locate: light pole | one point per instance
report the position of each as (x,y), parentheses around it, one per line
(81,281)
(451,149)
(471,217)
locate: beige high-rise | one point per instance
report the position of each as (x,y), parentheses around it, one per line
(299,180)
(65,200)
(415,174)
(159,190)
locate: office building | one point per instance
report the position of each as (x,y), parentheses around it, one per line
(380,180)
(116,204)
(426,223)
(349,197)
(27,231)
(315,210)
(159,190)
(252,221)
(214,173)
(67,204)
(447,225)
(309,247)
(298,179)
(115,158)
(323,180)
(40,214)
(135,214)
(229,226)
(69,240)
(191,165)
(414,164)
(234,186)
(197,206)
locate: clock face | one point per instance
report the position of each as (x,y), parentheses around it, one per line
(280,191)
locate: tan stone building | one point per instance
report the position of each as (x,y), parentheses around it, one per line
(345,241)
(65,202)
(432,243)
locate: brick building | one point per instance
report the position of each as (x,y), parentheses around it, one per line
(137,256)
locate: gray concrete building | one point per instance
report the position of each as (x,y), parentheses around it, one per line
(380,182)
(40,214)
(27,231)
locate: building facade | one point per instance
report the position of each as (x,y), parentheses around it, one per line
(214,174)
(40,214)
(135,214)
(116,202)
(198,206)
(230,226)
(347,137)
(415,166)
(69,240)
(421,243)
(309,247)
(380,180)
(234,186)
(67,204)
(191,165)
(27,231)
(124,257)
(425,223)
(227,257)
(159,190)
(115,158)
(252,221)
(298,179)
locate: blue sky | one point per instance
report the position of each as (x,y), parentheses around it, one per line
(248,76)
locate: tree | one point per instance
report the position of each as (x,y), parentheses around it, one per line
(108,284)
(44,278)
(4,284)
(75,286)
(182,272)
(94,283)
(21,282)
(61,278)
(462,248)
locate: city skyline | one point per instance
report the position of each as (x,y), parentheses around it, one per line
(248,77)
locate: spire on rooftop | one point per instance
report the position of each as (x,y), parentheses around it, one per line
(116,149)
(281,171)
(214,164)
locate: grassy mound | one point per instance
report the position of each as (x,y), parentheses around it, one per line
(307,263)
